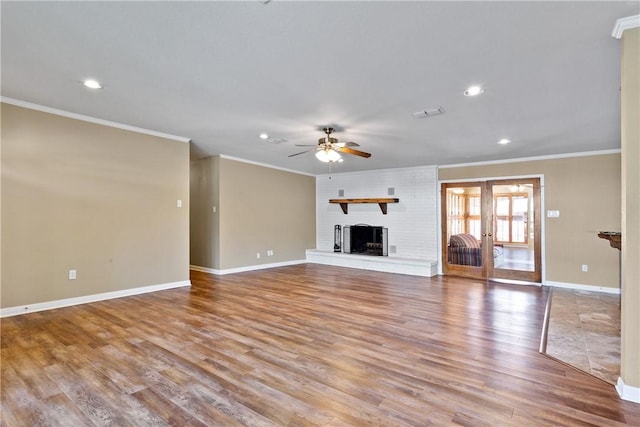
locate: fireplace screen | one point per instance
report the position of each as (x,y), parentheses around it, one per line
(365,240)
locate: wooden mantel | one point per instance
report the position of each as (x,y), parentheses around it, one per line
(614,238)
(344,203)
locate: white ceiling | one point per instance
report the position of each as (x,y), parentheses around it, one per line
(221,73)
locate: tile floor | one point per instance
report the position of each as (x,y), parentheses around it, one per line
(584,331)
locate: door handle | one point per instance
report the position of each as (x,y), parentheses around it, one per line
(486,234)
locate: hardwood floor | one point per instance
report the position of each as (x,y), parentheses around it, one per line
(302,345)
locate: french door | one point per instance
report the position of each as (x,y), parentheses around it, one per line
(492,229)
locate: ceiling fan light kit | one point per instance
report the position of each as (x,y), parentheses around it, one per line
(328,149)
(328,155)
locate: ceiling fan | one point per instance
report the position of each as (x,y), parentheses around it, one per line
(328,148)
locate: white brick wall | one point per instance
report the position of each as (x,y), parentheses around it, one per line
(412,222)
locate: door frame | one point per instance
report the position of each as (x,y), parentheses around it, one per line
(481,272)
(534,276)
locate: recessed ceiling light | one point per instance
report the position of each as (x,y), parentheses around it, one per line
(504,141)
(473,91)
(264,136)
(92,84)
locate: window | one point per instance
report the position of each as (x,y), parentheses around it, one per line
(463,212)
(455,217)
(511,217)
(473,215)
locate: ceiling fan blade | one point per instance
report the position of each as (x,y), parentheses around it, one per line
(348,150)
(297,154)
(347,144)
(305,145)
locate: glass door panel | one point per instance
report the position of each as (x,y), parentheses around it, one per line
(462,221)
(516,226)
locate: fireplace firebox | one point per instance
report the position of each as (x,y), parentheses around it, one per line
(365,240)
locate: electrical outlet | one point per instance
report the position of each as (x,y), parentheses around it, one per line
(179,203)
(585,268)
(258,255)
(72,274)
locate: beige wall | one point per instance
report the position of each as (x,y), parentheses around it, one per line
(100,200)
(586,191)
(258,209)
(205,224)
(630,97)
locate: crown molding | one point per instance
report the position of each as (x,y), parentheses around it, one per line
(264,165)
(625,24)
(370,171)
(82,117)
(535,158)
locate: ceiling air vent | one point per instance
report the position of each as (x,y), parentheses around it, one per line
(275,140)
(428,112)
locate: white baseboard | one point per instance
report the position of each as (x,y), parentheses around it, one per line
(247,268)
(50,305)
(579,287)
(627,392)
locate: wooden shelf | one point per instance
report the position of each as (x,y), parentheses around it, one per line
(344,203)
(614,238)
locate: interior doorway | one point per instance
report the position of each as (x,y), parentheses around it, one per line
(492,229)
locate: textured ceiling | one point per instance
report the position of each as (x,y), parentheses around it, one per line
(221,73)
